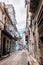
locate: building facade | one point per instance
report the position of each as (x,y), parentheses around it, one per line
(11,13)
(35,29)
(8,35)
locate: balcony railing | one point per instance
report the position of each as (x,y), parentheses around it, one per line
(11,31)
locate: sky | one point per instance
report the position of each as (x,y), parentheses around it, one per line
(20,10)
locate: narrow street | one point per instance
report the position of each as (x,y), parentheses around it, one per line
(19,58)
(21,32)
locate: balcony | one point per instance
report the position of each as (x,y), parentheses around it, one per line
(11,31)
(38,9)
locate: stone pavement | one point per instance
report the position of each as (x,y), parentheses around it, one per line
(19,58)
(12,60)
(23,59)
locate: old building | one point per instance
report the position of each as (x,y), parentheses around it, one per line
(5,35)
(35,29)
(8,31)
(11,13)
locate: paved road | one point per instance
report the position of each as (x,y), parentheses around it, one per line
(15,59)
(19,58)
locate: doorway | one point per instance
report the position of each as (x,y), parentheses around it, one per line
(4,46)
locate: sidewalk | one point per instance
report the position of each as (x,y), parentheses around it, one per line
(6,56)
